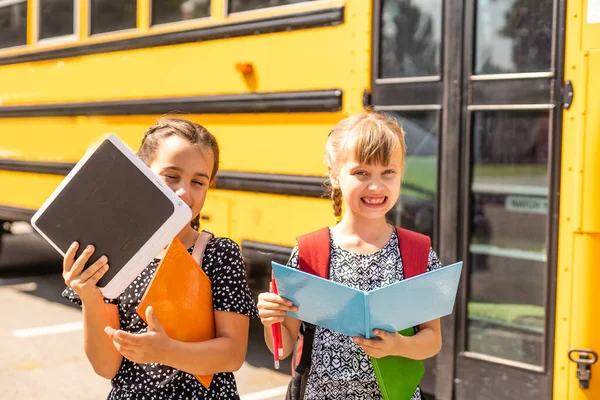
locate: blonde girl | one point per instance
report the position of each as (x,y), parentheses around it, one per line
(365,160)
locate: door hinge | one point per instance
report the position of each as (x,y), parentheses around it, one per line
(567,95)
(366,100)
(586,358)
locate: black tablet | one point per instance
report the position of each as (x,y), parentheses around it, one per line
(112,200)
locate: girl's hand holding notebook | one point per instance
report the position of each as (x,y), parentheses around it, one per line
(142,348)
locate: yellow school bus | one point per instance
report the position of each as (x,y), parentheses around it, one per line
(500,102)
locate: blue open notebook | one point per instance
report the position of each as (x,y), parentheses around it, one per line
(353,312)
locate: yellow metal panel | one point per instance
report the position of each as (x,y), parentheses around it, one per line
(84,19)
(216,9)
(590,201)
(32,18)
(276,219)
(564,376)
(205,68)
(217,211)
(591,31)
(143,15)
(585,312)
(273,143)
(25,190)
(577,320)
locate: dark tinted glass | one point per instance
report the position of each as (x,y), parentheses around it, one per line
(13,25)
(513,36)
(507,248)
(416,208)
(164,11)
(411,36)
(56,18)
(112,15)
(247,5)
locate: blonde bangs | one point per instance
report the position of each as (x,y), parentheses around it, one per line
(373,143)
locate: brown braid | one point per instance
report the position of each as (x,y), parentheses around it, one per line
(336,197)
(195,223)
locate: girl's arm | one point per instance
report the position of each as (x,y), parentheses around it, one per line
(425,344)
(289,333)
(225,353)
(99,349)
(233,305)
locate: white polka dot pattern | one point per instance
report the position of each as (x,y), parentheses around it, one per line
(223,264)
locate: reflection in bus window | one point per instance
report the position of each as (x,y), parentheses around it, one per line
(411,32)
(513,36)
(507,247)
(13,23)
(56,18)
(179,10)
(416,208)
(112,15)
(247,5)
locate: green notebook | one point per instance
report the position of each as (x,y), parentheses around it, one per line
(398,377)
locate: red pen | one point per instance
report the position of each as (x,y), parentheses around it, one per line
(276,332)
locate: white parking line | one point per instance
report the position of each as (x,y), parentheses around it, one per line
(48,330)
(265,394)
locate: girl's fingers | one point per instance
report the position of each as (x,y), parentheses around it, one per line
(80,262)
(269,306)
(98,275)
(271,314)
(272,320)
(125,339)
(95,267)
(274,298)
(366,343)
(69,258)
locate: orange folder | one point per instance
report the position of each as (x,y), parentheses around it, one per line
(181,296)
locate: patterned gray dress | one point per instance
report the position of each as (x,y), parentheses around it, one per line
(340,369)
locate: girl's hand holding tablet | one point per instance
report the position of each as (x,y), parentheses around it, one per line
(84,282)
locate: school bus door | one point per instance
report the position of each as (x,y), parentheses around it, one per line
(474,84)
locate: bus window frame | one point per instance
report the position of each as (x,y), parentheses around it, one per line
(6,3)
(56,39)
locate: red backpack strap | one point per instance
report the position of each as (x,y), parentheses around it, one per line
(313,258)
(313,253)
(414,249)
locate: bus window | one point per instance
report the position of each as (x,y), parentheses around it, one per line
(13,23)
(411,35)
(181,10)
(513,36)
(249,5)
(112,15)
(56,18)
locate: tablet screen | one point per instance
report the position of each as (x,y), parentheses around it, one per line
(110,204)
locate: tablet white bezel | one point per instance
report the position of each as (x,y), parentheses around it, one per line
(181,216)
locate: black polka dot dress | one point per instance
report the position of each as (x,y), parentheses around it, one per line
(223,264)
